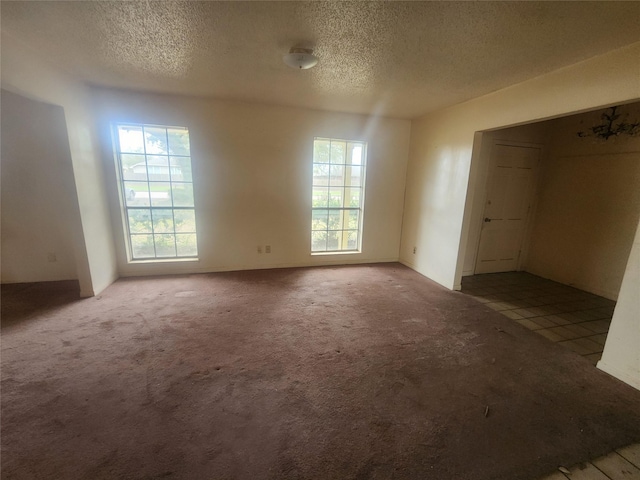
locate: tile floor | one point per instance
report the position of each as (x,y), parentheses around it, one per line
(623,463)
(563,314)
(571,317)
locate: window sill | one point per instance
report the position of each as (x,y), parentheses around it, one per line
(162,260)
(348,252)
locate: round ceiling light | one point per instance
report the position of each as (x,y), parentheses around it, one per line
(301,58)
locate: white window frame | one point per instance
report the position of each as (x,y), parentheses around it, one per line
(125,208)
(339,221)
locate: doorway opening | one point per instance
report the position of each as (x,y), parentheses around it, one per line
(559,270)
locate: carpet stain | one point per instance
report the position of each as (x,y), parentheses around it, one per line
(187,293)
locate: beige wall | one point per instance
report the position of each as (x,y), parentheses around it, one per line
(588,206)
(40,214)
(252,170)
(438,206)
(23,72)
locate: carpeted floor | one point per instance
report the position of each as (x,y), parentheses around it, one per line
(351,372)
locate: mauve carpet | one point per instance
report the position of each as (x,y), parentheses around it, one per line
(357,372)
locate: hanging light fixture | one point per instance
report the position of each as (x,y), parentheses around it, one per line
(608,127)
(300,58)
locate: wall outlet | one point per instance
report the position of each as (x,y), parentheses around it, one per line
(415,249)
(259,249)
(51,257)
(267,249)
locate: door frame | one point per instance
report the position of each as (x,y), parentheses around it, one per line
(482,200)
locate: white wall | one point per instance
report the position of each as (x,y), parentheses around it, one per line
(23,72)
(40,214)
(621,357)
(588,206)
(252,179)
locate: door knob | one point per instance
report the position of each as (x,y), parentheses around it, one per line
(487,219)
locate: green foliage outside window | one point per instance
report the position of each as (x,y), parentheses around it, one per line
(156,174)
(337,194)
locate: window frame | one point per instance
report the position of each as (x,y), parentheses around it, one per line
(122,192)
(343,237)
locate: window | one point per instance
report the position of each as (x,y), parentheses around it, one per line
(154,164)
(338,195)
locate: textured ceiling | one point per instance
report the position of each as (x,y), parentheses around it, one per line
(401,59)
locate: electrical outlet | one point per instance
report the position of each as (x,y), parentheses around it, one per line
(414,250)
(51,257)
(267,249)
(259,249)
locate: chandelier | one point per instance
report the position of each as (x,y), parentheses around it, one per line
(609,128)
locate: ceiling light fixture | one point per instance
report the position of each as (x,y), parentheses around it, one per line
(300,58)
(607,128)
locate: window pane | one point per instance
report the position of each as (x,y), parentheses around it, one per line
(335,219)
(178,141)
(318,241)
(155,139)
(356,152)
(186,245)
(162,220)
(130,139)
(320,197)
(354,197)
(185,220)
(156,181)
(337,186)
(337,175)
(181,169)
(160,194)
(352,242)
(319,219)
(136,194)
(165,245)
(139,220)
(353,217)
(335,197)
(142,246)
(133,167)
(333,240)
(353,176)
(320,174)
(158,168)
(183,195)
(321,151)
(338,151)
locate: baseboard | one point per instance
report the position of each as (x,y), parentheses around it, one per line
(184,269)
(87,293)
(580,286)
(619,374)
(96,290)
(407,263)
(413,267)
